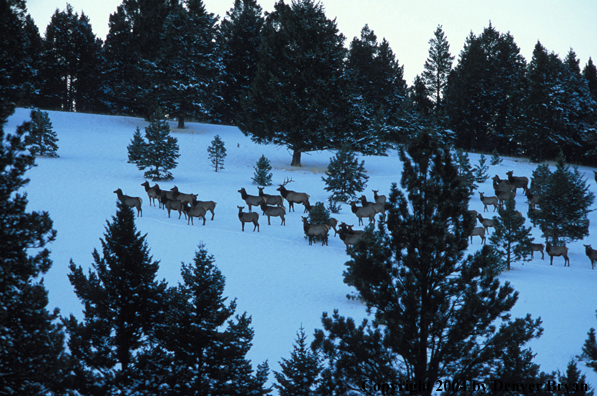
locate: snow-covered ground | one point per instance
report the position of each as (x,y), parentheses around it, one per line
(276,277)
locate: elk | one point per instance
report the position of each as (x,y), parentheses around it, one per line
(518,182)
(478,231)
(274,211)
(308,207)
(250,200)
(207,205)
(365,211)
(171,204)
(193,211)
(557,251)
(501,185)
(130,201)
(503,196)
(486,223)
(378,198)
(378,207)
(537,247)
(250,217)
(182,197)
(533,199)
(348,235)
(488,201)
(333,223)
(591,254)
(153,193)
(276,200)
(292,196)
(315,230)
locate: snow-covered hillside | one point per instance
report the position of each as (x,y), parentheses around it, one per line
(276,277)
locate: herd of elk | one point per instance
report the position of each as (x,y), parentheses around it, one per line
(131,202)
(292,196)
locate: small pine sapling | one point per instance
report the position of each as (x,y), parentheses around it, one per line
(137,148)
(42,137)
(481,170)
(333,206)
(300,374)
(345,175)
(263,175)
(217,153)
(589,350)
(495,158)
(465,170)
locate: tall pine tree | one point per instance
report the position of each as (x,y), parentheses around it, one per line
(438,67)
(345,175)
(217,152)
(437,315)
(41,136)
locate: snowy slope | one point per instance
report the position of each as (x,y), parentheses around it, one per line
(277,278)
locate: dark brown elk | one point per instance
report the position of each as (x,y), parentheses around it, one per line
(292,196)
(348,235)
(193,211)
(250,200)
(488,201)
(313,231)
(537,247)
(274,211)
(153,193)
(478,231)
(500,185)
(308,207)
(364,211)
(518,182)
(182,197)
(131,202)
(486,223)
(209,206)
(556,251)
(591,254)
(171,204)
(379,198)
(378,207)
(250,217)
(274,200)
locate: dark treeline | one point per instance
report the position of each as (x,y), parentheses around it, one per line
(288,77)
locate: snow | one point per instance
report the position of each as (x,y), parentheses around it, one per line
(276,277)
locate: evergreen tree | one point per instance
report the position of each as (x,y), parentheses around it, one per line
(564,200)
(437,67)
(41,136)
(419,95)
(239,40)
(437,315)
(575,380)
(345,175)
(263,175)
(299,95)
(217,152)
(589,350)
(158,151)
(495,158)
(123,302)
(202,345)
(31,340)
(590,74)
(299,375)
(480,170)
(510,237)
(465,170)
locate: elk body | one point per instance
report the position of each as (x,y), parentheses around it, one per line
(193,211)
(503,196)
(333,223)
(250,200)
(378,207)
(292,196)
(488,201)
(485,222)
(533,199)
(274,200)
(518,181)
(153,193)
(379,198)
(478,231)
(131,202)
(537,247)
(182,197)
(500,185)
(556,251)
(274,211)
(591,254)
(313,231)
(364,211)
(171,204)
(308,207)
(207,205)
(250,217)
(350,236)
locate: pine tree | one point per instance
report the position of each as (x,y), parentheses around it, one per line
(510,237)
(465,170)
(319,214)
(589,350)
(263,175)
(575,380)
(437,315)
(300,374)
(437,67)
(480,170)
(590,74)
(217,153)
(31,340)
(123,302)
(158,151)
(41,137)
(345,175)
(564,200)
(495,158)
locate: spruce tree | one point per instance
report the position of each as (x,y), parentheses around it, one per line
(510,237)
(217,153)
(31,339)
(300,374)
(465,170)
(437,315)
(480,170)
(589,350)
(41,137)
(437,67)
(345,175)
(158,151)
(263,175)
(575,380)
(123,301)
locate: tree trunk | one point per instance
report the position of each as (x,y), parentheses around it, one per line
(180,122)
(296,158)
